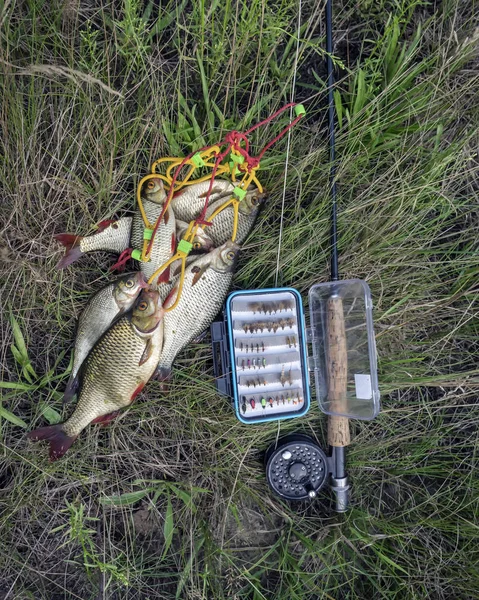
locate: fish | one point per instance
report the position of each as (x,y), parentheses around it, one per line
(111,236)
(201,242)
(103,308)
(116,370)
(206,284)
(221,229)
(164,244)
(188,202)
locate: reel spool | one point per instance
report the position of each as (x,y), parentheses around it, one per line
(296,467)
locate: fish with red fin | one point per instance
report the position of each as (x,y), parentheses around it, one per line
(111,236)
(116,370)
(100,312)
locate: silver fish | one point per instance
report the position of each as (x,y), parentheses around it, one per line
(222,228)
(116,370)
(112,236)
(164,244)
(103,308)
(206,284)
(190,200)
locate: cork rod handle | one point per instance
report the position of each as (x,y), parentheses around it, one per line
(337,369)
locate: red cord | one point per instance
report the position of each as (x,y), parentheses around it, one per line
(122,260)
(219,159)
(232,140)
(279,136)
(270,118)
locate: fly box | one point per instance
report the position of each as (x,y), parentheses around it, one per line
(260,352)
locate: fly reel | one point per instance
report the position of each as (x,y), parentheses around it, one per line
(296,467)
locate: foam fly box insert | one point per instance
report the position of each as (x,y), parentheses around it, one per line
(261,360)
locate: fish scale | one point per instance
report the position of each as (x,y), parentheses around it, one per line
(189,202)
(92,321)
(198,306)
(115,237)
(113,374)
(165,237)
(100,312)
(222,228)
(97,317)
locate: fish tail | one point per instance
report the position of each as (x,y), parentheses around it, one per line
(72,248)
(60,442)
(71,389)
(163,373)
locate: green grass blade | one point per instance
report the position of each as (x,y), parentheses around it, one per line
(9,416)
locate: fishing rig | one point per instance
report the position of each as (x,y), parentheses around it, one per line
(230,157)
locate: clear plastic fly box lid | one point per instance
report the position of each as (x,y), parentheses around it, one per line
(344,349)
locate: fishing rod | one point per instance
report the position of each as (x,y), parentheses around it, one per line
(260,353)
(338,426)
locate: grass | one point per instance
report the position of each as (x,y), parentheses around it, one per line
(171,501)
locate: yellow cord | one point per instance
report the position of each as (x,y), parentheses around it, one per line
(180,287)
(248,178)
(179,255)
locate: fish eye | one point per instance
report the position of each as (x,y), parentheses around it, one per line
(150,185)
(254,200)
(230,255)
(143,305)
(196,245)
(129,283)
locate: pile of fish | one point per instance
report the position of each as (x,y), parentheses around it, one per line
(125,336)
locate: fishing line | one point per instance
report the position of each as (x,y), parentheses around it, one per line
(288,145)
(332,142)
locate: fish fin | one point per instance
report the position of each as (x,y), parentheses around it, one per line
(173,242)
(71,389)
(137,391)
(165,276)
(199,338)
(163,373)
(177,271)
(102,225)
(166,218)
(170,297)
(60,442)
(106,419)
(146,353)
(198,273)
(72,247)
